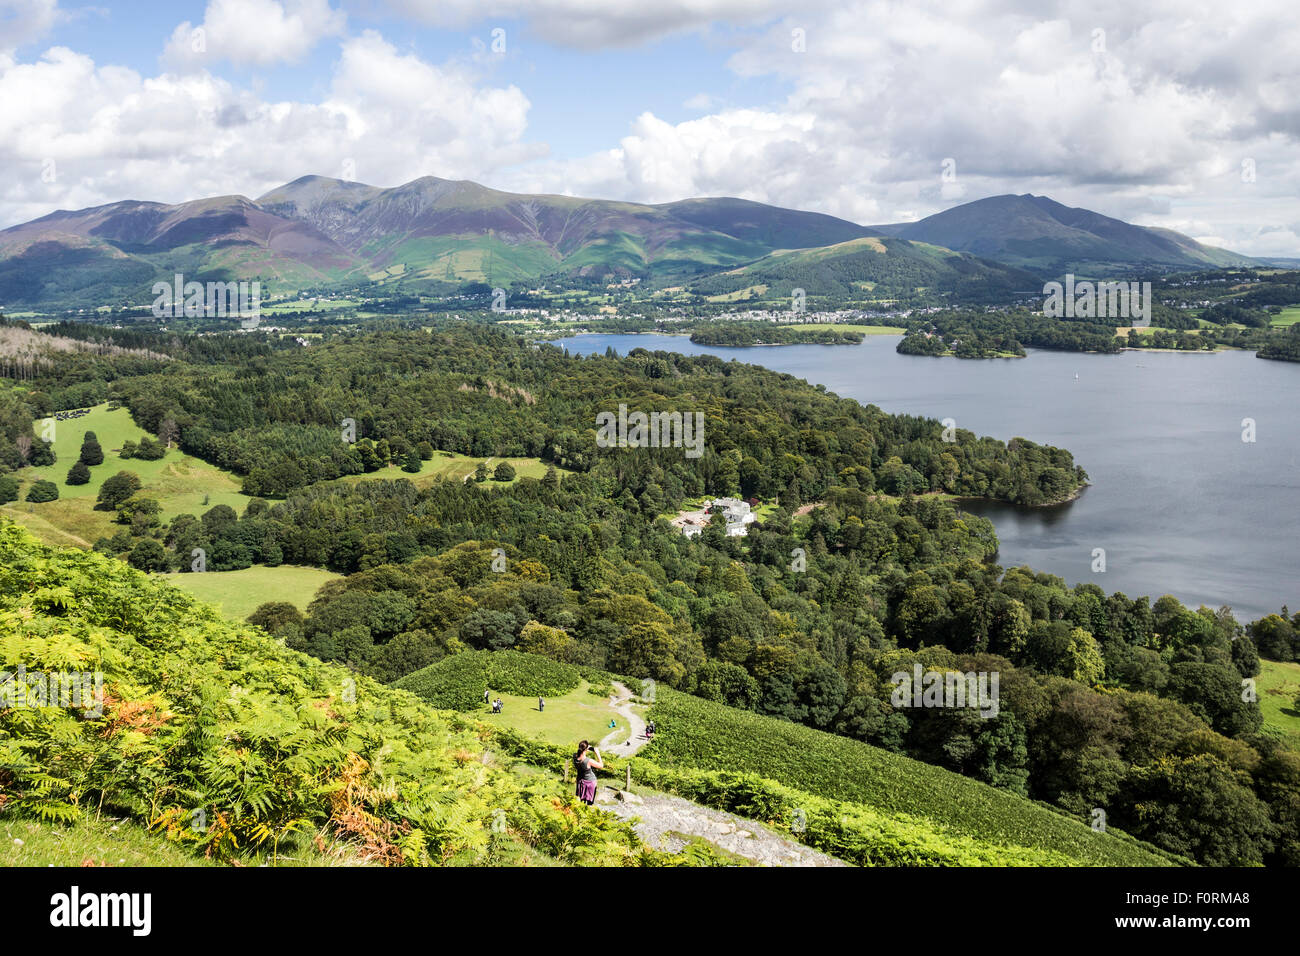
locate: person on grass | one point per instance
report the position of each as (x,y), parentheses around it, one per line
(586,762)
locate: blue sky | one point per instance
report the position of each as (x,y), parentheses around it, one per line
(572,113)
(1148,110)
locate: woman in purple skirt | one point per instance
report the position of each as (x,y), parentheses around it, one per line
(586,762)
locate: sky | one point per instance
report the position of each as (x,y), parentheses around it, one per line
(1176,114)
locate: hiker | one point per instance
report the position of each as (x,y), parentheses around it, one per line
(541,705)
(486,696)
(612,723)
(496,706)
(586,766)
(650,730)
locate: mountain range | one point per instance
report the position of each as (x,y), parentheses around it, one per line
(433,235)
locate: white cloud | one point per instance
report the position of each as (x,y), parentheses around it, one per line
(253,32)
(1143,120)
(1149,120)
(111,133)
(24,21)
(591,24)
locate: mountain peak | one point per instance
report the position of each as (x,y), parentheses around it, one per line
(1042,235)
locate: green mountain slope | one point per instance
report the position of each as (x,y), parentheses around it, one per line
(872,268)
(525,236)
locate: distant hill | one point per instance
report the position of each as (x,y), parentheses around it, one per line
(433,235)
(1048,238)
(871,267)
(116,252)
(444,229)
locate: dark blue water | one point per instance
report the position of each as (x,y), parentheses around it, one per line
(1178,501)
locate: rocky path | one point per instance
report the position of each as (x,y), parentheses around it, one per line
(619,703)
(667,822)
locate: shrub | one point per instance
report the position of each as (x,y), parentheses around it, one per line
(78,474)
(91,452)
(43,491)
(117,489)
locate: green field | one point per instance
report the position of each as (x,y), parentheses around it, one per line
(239,593)
(1288,316)
(445,464)
(310,305)
(1278,684)
(179,483)
(577,715)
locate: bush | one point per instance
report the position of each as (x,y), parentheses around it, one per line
(116,490)
(43,491)
(504,472)
(150,450)
(78,474)
(148,555)
(8,489)
(91,452)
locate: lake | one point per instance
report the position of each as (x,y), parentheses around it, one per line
(1180,503)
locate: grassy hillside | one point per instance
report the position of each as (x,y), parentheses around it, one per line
(446,464)
(238,594)
(1278,684)
(696,733)
(903,812)
(869,269)
(458,682)
(237,748)
(89,842)
(179,483)
(576,709)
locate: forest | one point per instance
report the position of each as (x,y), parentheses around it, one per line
(765,333)
(1108,701)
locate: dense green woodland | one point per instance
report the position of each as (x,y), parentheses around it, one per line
(1106,701)
(765,333)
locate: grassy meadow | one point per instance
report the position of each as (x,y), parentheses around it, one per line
(238,593)
(1278,684)
(181,484)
